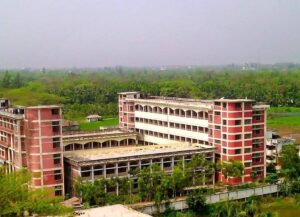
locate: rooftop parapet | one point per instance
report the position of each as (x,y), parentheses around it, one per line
(137,151)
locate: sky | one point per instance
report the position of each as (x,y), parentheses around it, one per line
(99,33)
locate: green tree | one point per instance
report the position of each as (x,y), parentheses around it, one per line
(231,168)
(17,81)
(197,169)
(196,201)
(6,80)
(16,197)
(290,162)
(179,180)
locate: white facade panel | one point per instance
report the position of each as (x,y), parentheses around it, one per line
(189,121)
(153,116)
(173,131)
(157,140)
(172,118)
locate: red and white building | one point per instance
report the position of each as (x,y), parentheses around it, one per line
(31,138)
(235,127)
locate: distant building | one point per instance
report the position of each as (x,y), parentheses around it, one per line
(235,127)
(274,146)
(4,103)
(92,118)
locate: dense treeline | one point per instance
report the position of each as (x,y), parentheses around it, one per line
(89,91)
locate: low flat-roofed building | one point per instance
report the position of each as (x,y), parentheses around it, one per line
(118,161)
(117,210)
(274,144)
(113,137)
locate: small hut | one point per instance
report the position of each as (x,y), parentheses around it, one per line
(92,118)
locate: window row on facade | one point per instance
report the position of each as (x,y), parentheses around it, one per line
(123,168)
(172,125)
(7,123)
(174,112)
(170,136)
(104,144)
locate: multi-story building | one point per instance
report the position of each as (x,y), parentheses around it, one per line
(235,127)
(31,138)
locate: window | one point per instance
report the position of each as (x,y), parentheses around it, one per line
(217,113)
(56,158)
(248,136)
(237,137)
(224,136)
(217,103)
(57,174)
(256,131)
(247,150)
(224,151)
(257,118)
(55,111)
(256,160)
(58,191)
(237,122)
(224,104)
(217,127)
(256,145)
(248,121)
(238,151)
(55,126)
(247,164)
(256,113)
(56,142)
(224,122)
(248,104)
(217,141)
(238,105)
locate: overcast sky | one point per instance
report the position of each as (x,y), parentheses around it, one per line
(97,33)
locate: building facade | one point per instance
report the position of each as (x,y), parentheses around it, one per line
(274,146)
(31,138)
(235,127)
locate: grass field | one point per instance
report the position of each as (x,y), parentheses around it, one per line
(285,120)
(286,207)
(106,122)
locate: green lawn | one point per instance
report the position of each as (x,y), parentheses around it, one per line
(283,207)
(106,122)
(284,121)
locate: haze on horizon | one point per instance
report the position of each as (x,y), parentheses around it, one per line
(95,33)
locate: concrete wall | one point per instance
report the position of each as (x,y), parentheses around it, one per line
(180,204)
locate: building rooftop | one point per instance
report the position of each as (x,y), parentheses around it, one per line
(11,115)
(110,211)
(172,101)
(43,106)
(79,135)
(109,131)
(234,100)
(132,151)
(129,92)
(93,116)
